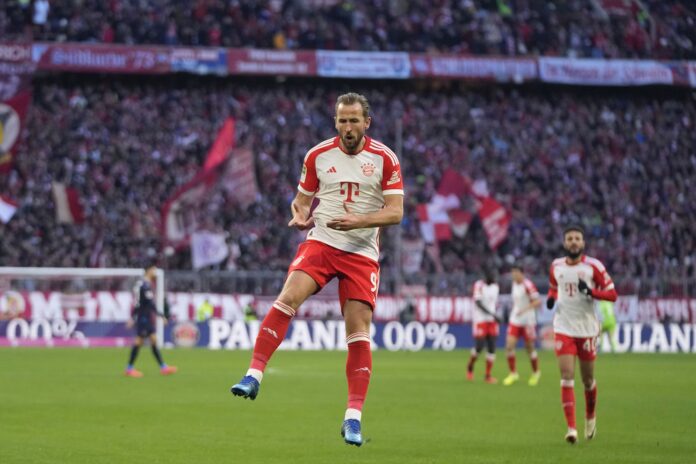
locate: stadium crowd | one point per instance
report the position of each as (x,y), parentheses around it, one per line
(620,162)
(662,29)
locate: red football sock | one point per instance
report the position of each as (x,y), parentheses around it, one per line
(489,363)
(511,362)
(535,361)
(472,361)
(568,400)
(358,369)
(591,401)
(271,334)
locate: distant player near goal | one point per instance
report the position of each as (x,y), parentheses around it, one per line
(358,182)
(575,282)
(485,324)
(522,325)
(143,318)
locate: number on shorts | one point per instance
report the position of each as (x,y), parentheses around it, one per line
(590,345)
(374,278)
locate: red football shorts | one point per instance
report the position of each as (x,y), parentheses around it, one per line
(358,276)
(526,332)
(485,329)
(585,348)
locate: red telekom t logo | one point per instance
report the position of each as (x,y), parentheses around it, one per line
(350,189)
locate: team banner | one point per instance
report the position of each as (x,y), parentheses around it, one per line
(103,58)
(465,67)
(272,62)
(16,70)
(199,60)
(110,306)
(692,73)
(218,334)
(374,65)
(604,72)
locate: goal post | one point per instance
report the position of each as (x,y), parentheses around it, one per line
(68,286)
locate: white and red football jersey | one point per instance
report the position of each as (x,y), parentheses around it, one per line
(488,295)
(575,312)
(361,181)
(522,295)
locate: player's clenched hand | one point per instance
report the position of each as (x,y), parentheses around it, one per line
(299,218)
(550,301)
(129,323)
(584,288)
(348,221)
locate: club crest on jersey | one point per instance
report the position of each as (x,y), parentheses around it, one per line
(368,169)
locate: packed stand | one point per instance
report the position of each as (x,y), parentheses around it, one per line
(600,28)
(619,162)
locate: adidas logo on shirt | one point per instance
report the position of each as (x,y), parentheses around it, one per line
(331,170)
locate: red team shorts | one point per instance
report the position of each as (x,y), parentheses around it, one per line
(485,329)
(585,348)
(527,332)
(358,276)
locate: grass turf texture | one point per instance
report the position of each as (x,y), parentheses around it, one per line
(75,406)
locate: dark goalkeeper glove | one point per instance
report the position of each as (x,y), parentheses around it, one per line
(582,286)
(550,301)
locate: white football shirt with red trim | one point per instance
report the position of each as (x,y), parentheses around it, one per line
(575,312)
(522,295)
(361,181)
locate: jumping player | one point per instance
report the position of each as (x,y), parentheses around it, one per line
(575,282)
(358,183)
(525,302)
(143,317)
(485,324)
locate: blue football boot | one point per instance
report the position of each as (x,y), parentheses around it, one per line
(350,431)
(248,387)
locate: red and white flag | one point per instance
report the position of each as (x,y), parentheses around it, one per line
(68,207)
(7,209)
(495,220)
(443,217)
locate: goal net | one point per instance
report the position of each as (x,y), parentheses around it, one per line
(70,306)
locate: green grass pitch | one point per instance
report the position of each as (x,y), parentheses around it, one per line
(75,406)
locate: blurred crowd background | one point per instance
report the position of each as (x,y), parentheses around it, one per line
(622,162)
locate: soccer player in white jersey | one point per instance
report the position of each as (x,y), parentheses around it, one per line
(358,183)
(575,282)
(522,324)
(485,324)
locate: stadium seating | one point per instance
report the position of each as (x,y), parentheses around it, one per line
(602,28)
(621,162)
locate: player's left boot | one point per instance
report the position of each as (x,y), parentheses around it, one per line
(511,378)
(534,379)
(248,387)
(350,431)
(590,428)
(490,379)
(168,370)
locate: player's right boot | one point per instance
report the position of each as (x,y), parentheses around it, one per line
(590,428)
(248,387)
(511,378)
(470,376)
(350,431)
(133,373)
(534,379)
(571,436)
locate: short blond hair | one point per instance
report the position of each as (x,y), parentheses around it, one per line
(352,98)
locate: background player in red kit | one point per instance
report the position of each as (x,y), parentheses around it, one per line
(525,302)
(574,283)
(485,324)
(358,183)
